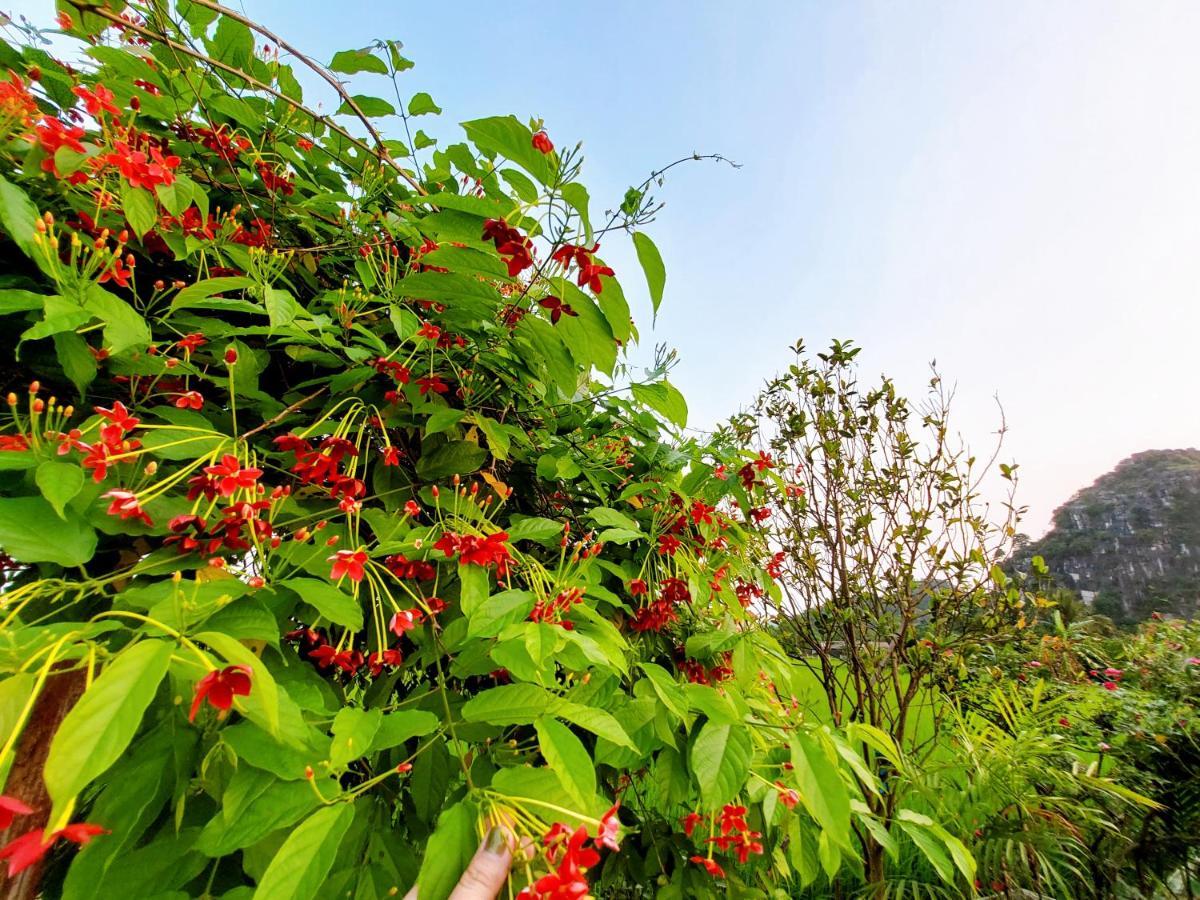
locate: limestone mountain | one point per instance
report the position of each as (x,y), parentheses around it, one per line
(1130,543)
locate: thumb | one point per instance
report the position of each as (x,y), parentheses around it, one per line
(487,870)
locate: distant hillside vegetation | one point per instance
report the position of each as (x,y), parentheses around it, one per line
(1130,543)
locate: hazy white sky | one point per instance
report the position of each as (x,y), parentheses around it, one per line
(1012,188)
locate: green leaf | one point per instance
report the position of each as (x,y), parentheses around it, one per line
(350,62)
(372,107)
(76,359)
(59,482)
(473,590)
(667,689)
(448,852)
(452,458)
(822,790)
(31,531)
(253,805)
(233,43)
(535,528)
(139,208)
(124,326)
(721,762)
(18,216)
(489,618)
(14,301)
(506,136)
(510,704)
(207,287)
(597,721)
(353,731)
(611,518)
(577,196)
(262,704)
(931,847)
(421,104)
(335,605)
(652,265)
(101,724)
(665,399)
(398,727)
(442,419)
(566,756)
(300,866)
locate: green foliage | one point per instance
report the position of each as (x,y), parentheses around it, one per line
(359,535)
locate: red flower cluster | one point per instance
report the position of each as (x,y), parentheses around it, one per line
(552,611)
(589,270)
(240,526)
(52,134)
(569,856)
(509,243)
(477,551)
(321,465)
(273,180)
(736,834)
(219,687)
(660,613)
(410,569)
(141,168)
(113,441)
(16,103)
(224,478)
(697,673)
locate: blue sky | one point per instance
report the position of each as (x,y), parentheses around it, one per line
(1012,189)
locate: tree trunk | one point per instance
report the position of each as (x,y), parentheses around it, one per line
(58,695)
(874,865)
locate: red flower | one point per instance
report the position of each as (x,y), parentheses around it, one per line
(429,331)
(348,563)
(668,544)
(590,275)
(557,308)
(190,343)
(610,828)
(787,796)
(219,687)
(30,847)
(126,505)
(391,456)
(542,143)
(432,383)
(637,587)
(690,821)
(139,168)
(229,475)
(304,144)
(230,356)
(412,509)
(511,243)
(120,419)
(405,620)
(10,807)
(733,818)
(119,272)
(710,866)
(51,133)
(97,101)
(189,400)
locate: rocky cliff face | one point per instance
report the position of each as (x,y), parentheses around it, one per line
(1130,543)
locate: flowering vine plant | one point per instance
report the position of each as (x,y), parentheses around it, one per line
(336,528)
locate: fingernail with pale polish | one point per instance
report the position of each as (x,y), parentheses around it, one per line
(495,843)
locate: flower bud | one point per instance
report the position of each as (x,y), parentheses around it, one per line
(230,356)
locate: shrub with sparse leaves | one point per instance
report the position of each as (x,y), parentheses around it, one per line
(336,528)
